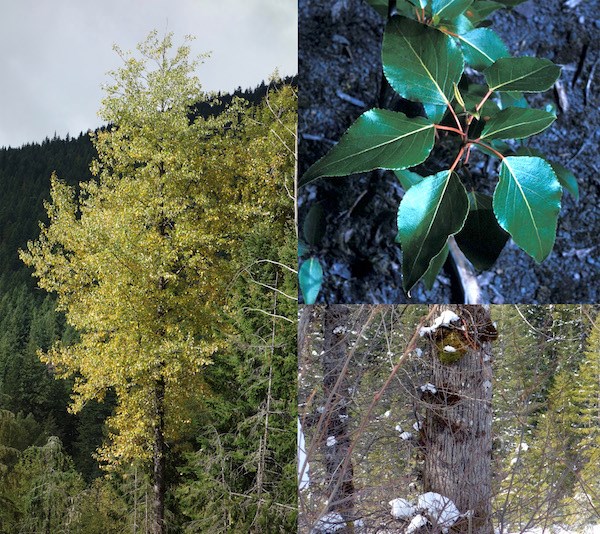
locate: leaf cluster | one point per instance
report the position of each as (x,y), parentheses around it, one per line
(428,49)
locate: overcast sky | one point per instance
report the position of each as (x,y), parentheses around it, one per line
(54,54)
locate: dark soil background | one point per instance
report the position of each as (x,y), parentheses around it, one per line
(339,51)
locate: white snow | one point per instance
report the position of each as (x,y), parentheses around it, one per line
(387,414)
(329,523)
(303,478)
(398,428)
(331,441)
(343,417)
(402,509)
(441,510)
(449,348)
(417,522)
(445,319)
(418,352)
(339,330)
(429,387)
(406,436)
(418,425)
(523,446)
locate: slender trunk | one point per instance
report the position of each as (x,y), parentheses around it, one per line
(159,487)
(336,434)
(456,432)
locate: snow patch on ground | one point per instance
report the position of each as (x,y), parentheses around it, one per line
(331,441)
(439,508)
(417,522)
(450,348)
(402,509)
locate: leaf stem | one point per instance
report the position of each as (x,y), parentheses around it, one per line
(456,119)
(450,129)
(501,156)
(460,153)
(483,100)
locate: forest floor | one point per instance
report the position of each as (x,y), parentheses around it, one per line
(339,51)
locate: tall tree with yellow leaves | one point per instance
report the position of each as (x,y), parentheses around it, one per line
(139,258)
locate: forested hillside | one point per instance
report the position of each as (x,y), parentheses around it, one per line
(230,445)
(447,419)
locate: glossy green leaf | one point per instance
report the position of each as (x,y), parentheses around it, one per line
(408,178)
(310,279)
(379,139)
(517,123)
(302,248)
(460,25)
(448,9)
(527,202)
(565,176)
(429,212)
(434,112)
(435,267)
(420,62)
(481,238)
(513,99)
(314,224)
(526,74)
(481,47)
(479,11)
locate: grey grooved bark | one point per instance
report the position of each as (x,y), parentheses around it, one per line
(457,428)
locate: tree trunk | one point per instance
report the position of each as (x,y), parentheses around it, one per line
(159,487)
(456,432)
(335,435)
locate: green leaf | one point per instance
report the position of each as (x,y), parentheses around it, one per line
(527,202)
(381,6)
(482,47)
(302,248)
(513,99)
(512,3)
(448,9)
(473,96)
(435,267)
(310,278)
(460,25)
(314,224)
(527,74)
(565,176)
(408,178)
(517,123)
(379,139)
(429,212)
(481,238)
(419,62)
(479,11)
(434,112)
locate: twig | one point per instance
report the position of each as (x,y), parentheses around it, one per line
(350,99)
(588,85)
(466,275)
(319,138)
